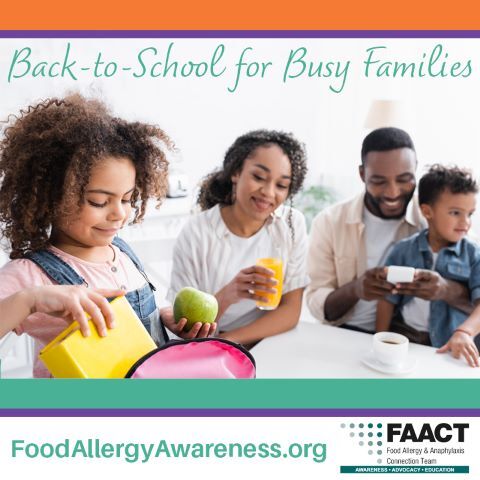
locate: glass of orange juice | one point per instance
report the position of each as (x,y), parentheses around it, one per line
(273,299)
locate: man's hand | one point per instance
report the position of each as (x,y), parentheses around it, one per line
(427,284)
(373,285)
(199,330)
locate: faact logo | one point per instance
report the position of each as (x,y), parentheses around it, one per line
(442,432)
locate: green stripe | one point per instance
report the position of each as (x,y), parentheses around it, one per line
(390,393)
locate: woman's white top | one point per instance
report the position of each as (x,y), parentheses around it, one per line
(207,256)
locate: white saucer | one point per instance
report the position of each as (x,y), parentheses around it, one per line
(370,361)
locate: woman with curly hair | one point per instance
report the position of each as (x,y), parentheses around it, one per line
(245,218)
(70,175)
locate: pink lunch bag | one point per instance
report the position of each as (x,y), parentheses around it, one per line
(198,358)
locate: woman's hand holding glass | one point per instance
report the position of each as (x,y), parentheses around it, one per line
(249,283)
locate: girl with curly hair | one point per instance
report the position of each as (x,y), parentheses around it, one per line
(245,218)
(71,174)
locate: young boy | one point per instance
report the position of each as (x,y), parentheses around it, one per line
(447,198)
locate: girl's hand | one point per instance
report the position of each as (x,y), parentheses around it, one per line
(199,330)
(71,303)
(461,344)
(249,283)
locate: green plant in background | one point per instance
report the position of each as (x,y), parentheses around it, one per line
(313,200)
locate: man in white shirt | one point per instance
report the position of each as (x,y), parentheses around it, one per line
(351,240)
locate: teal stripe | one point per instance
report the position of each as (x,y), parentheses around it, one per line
(390,393)
(369,469)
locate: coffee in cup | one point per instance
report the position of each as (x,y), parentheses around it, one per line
(390,349)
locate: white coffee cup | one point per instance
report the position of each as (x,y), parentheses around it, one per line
(397,274)
(390,349)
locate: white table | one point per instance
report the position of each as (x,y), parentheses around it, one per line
(314,350)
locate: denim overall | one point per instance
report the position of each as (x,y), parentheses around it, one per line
(142,300)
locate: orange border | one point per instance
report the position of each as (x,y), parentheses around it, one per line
(245,15)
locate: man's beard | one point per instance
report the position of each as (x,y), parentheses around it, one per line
(373,204)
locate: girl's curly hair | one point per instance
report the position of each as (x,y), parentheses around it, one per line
(217,187)
(47,155)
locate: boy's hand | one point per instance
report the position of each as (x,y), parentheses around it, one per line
(199,330)
(461,344)
(427,284)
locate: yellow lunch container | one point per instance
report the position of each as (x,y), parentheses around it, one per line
(71,355)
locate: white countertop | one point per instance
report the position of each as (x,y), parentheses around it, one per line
(314,350)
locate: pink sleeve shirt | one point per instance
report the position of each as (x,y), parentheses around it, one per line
(19,274)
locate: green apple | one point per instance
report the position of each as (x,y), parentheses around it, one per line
(195,306)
